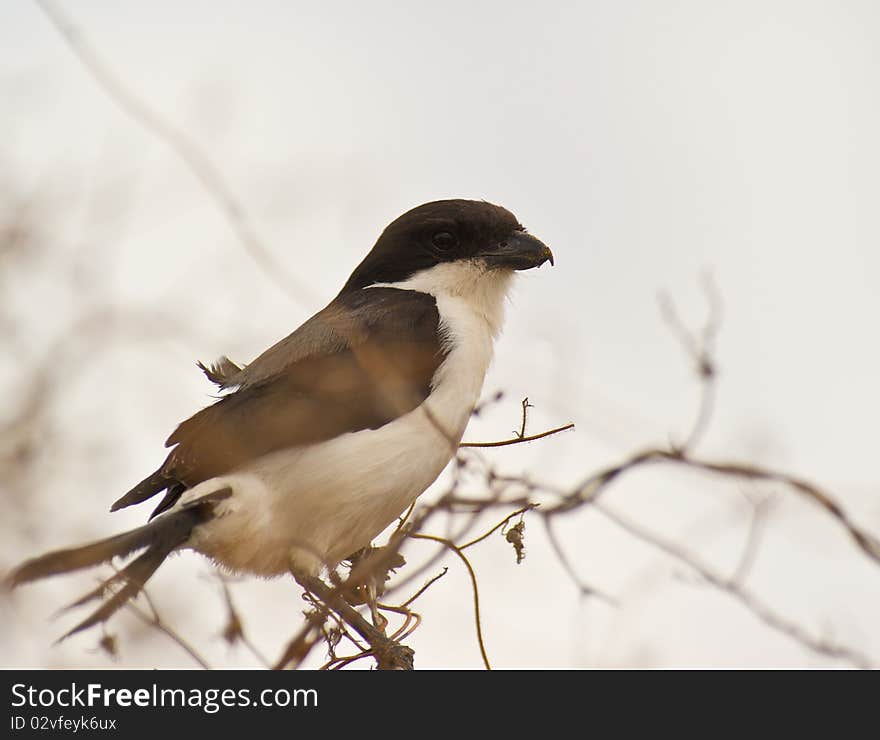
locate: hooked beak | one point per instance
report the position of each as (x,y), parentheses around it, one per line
(519,251)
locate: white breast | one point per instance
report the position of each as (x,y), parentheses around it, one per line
(315,505)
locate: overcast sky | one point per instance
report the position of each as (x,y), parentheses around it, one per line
(645,142)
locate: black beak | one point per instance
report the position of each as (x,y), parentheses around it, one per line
(519,251)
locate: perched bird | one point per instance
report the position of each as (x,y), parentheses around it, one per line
(329,435)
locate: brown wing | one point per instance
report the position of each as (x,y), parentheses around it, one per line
(367,358)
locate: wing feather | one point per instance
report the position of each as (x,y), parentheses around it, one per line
(367,358)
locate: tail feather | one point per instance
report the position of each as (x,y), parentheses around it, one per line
(176,529)
(157,539)
(134,577)
(77,558)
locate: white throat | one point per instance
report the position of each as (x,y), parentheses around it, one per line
(470,282)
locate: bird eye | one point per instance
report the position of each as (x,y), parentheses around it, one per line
(444,241)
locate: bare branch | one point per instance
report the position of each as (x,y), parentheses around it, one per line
(424,588)
(389,654)
(730,586)
(750,550)
(452,546)
(590,489)
(525,413)
(700,347)
(520,436)
(518,440)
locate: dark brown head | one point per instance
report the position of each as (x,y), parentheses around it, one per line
(447,231)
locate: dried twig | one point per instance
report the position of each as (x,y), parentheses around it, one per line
(389,654)
(424,588)
(498,526)
(519,440)
(454,548)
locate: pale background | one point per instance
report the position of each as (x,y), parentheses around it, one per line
(645,142)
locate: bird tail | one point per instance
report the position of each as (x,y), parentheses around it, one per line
(157,539)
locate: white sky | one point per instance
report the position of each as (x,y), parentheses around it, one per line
(645,142)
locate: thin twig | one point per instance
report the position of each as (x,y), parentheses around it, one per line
(498,526)
(525,414)
(704,413)
(518,440)
(452,546)
(700,347)
(424,588)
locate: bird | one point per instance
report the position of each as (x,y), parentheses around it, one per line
(324,439)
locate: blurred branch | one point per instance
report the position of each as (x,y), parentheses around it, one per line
(583,587)
(753,538)
(234,631)
(156,622)
(590,489)
(700,348)
(299,647)
(733,587)
(187,151)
